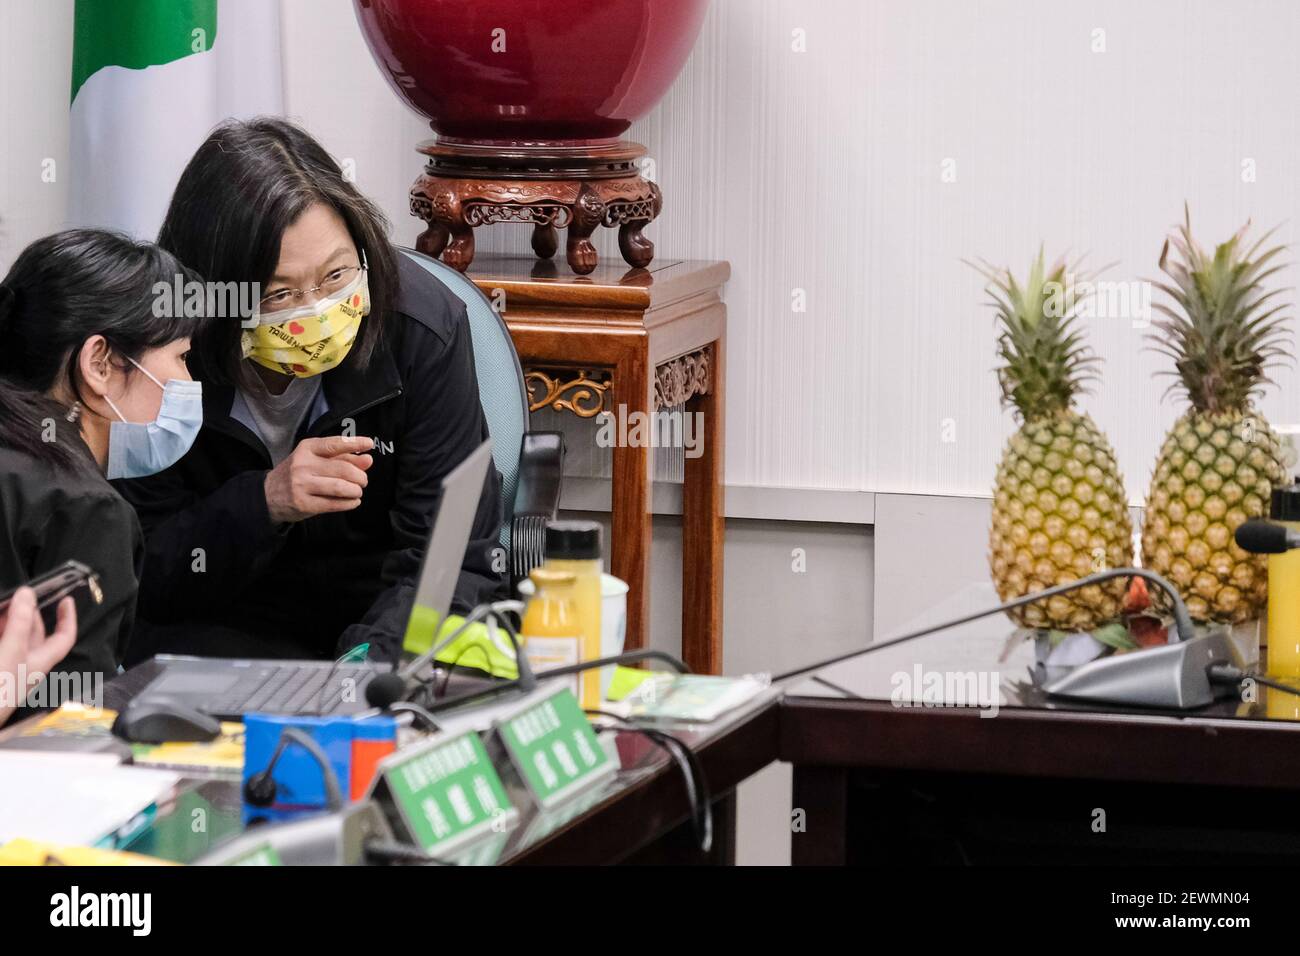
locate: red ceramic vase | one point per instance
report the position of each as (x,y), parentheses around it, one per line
(497,72)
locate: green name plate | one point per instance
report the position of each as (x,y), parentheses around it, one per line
(262,855)
(446,791)
(553,747)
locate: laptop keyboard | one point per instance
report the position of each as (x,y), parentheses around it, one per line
(295,689)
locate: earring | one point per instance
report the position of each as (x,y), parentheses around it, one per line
(74,412)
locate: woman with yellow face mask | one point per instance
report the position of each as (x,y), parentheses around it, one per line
(302,339)
(334,402)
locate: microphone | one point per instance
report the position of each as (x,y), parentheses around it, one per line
(1259,536)
(341,837)
(384,690)
(1182,619)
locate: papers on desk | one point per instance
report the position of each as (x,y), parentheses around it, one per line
(77,728)
(73,728)
(220,758)
(70,798)
(687,697)
(22,852)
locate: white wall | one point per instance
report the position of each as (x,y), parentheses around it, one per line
(35,84)
(821,171)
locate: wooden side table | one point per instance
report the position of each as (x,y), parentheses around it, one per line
(630,341)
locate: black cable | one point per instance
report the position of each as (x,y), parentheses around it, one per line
(525,682)
(818,679)
(425,691)
(456,662)
(628,657)
(438,642)
(1227,674)
(437,704)
(1276,685)
(259,789)
(697,788)
(387,851)
(450,667)
(420,714)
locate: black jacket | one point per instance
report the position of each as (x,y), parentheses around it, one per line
(221,580)
(51,515)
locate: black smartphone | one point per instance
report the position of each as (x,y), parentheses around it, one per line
(52,586)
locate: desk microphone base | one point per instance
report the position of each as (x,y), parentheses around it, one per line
(1173,676)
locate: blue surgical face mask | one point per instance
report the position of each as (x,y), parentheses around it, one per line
(139,449)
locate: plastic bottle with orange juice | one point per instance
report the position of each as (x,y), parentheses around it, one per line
(550,631)
(574,547)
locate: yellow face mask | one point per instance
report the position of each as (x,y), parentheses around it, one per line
(310,340)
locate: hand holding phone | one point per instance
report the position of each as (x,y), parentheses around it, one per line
(25,650)
(59,583)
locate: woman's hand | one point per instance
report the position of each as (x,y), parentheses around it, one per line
(25,651)
(322,475)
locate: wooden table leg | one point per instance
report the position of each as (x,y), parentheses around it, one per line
(704,527)
(633,392)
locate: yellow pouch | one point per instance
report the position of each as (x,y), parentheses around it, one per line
(23,852)
(475,648)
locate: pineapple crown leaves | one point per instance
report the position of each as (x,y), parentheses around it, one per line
(1224,331)
(1045,363)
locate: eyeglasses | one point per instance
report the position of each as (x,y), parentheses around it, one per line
(335,281)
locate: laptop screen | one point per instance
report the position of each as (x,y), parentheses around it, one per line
(461,489)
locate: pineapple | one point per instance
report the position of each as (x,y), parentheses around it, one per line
(1219,464)
(1059,508)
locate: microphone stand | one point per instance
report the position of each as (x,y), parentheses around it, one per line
(494,613)
(1182,619)
(629,657)
(494,609)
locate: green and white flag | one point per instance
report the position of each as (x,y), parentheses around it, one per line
(150,78)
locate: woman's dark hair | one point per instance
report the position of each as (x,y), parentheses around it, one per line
(248,183)
(62,290)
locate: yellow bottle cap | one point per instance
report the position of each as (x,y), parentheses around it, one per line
(547,577)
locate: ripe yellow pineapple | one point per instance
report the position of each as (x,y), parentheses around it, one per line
(1219,464)
(1059,508)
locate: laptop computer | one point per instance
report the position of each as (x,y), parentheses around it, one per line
(228,688)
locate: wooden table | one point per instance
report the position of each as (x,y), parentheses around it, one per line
(646,820)
(1041,781)
(633,342)
(641,815)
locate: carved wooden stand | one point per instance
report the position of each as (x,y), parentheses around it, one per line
(631,343)
(578,188)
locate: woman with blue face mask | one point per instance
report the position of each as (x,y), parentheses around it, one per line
(93,386)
